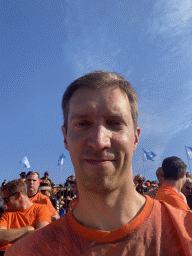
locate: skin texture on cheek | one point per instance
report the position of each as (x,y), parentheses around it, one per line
(101,144)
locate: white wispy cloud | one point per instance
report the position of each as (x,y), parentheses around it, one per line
(170,24)
(171,17)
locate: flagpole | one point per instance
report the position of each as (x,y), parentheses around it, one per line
(143,162)
(61,174)
(188,159)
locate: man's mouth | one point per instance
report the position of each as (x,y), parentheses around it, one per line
(99,161)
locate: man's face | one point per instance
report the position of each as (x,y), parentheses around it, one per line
(45,192)
(13,202)
(101,138)
(32,182)
(187,188)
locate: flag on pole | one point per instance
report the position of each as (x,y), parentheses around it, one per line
(148,155)
(25,162)
(60,160)
(189,152)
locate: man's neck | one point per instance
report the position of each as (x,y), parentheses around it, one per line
(176,184)
(32,194)
(108,212)
(26,203)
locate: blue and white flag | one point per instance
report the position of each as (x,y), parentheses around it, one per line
(189,152)
(25,162)
(60,160)
(148,155)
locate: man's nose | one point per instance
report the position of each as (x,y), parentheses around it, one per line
(99,138)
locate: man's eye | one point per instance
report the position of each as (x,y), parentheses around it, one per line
(82,124)
(114,123)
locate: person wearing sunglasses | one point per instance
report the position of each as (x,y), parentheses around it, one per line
(21,217)
(187,191)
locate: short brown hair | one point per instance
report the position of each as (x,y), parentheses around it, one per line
(173,167)
(95,81)
(14,186)
(159,172)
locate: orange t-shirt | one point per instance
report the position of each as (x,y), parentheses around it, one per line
(42,199)
(168,194)
(158,230)
(31,216)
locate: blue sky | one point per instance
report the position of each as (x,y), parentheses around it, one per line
(45,45)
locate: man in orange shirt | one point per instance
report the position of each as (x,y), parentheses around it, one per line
(174,170)
(21,216)
(32,181)
(111,218)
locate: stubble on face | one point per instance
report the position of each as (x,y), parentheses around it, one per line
(32,182)
(101,138)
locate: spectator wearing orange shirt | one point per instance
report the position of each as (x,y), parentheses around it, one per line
(32,181)
(174,170)
(21,217)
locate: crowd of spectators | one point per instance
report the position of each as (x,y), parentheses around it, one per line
(65,196)
(150,188)
(60,195)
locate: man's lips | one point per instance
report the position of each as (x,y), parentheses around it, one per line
(98,161)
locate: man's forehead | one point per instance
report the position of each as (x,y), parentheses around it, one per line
(95,92)
(88,99)
(33,176)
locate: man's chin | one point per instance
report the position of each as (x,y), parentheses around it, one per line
(31,191)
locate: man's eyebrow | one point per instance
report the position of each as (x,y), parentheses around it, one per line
(78,116)
(114,115)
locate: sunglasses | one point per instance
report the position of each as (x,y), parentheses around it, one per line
(6,199)
(188,188)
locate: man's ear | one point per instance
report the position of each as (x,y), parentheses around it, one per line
(137,133)
(19,194)
(65,137)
